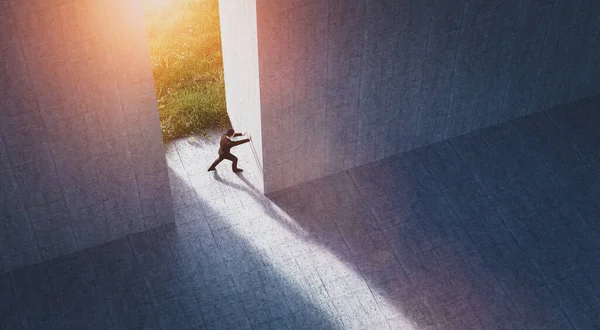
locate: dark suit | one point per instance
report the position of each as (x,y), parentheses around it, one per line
(225,146)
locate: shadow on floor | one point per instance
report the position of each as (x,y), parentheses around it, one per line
(493,230)
(195,273)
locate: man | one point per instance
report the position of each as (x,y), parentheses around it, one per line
(224,150)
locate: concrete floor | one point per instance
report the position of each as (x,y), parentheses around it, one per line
(498,229)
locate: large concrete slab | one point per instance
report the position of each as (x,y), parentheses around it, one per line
(346,83)
(81,157)
(241,71)
(497,229)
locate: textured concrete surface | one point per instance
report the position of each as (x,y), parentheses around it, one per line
(497,229)
(347,82)
(240,63)
(81,157)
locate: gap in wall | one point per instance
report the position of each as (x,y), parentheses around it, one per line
(187,64)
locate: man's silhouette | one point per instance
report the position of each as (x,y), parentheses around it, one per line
(224,150)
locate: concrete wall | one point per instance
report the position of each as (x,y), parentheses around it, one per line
(81,158)
(240,62)
(347,82)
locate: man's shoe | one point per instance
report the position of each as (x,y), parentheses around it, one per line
(237,170)
(211,169)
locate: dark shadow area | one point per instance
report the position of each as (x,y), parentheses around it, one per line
(180,276)
(497,229)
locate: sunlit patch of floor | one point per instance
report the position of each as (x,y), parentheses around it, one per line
(245,223)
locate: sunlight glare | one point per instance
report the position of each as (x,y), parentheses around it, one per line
(157,4)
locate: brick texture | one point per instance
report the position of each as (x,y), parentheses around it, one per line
(80,147)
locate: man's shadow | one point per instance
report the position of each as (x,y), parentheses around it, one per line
(252,191)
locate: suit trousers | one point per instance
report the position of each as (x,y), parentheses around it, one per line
(224,156)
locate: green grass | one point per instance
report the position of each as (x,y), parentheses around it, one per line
(185,50)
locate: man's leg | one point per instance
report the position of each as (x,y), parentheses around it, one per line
(215,163)
(234,162)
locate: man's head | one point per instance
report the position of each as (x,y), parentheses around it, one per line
(230,132)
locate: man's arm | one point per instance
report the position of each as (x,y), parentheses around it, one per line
(238,134)
(237,143)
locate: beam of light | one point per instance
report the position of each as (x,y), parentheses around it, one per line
(157,4)
(273,234)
